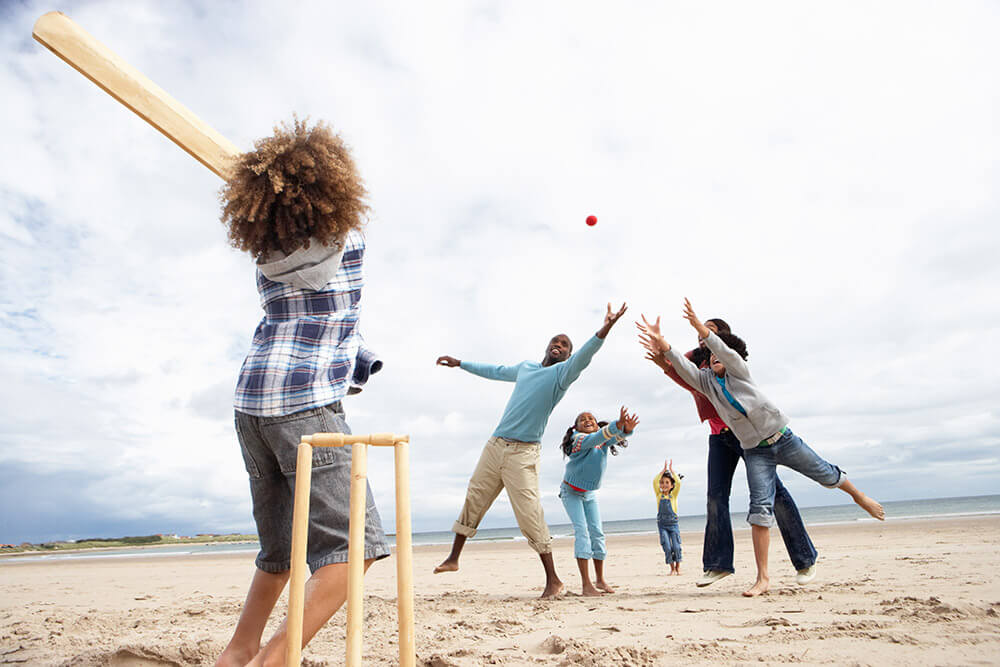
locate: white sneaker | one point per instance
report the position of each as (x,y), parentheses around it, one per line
(709,577)
(803,577)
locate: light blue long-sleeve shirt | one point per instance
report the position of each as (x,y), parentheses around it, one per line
(589,457)
(537,390)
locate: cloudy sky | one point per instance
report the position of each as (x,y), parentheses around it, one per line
(822,175)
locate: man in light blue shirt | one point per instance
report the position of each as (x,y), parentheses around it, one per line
(510,457)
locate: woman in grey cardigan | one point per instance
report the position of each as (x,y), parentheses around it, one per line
(760,426)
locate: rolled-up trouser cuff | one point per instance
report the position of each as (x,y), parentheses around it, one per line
(760,518)
(841,478)
(461,529)
(541,548)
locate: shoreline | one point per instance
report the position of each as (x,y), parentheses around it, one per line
(138,552)
(903,592)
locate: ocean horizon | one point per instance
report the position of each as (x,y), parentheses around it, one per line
(899,510)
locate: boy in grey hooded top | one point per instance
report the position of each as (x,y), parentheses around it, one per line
(761,427)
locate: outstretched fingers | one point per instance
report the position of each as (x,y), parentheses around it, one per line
(611,317)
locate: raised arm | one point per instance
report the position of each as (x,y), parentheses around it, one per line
(687,371)
(651,339)
(600,437)
(571,369)
(668,369)
(610,319)
(615,431)
(656,481)
(677,482)
(733,362)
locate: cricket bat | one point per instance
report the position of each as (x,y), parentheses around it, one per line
(58,33)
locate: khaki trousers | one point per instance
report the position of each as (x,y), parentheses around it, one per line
(512,465)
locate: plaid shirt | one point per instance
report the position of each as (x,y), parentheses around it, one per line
(307,351)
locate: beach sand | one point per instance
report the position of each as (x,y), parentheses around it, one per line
(921,592)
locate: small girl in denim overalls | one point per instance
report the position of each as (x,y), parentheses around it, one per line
(666,486)
(587,443)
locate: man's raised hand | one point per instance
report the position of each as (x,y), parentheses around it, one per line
(610,318)
(450,362)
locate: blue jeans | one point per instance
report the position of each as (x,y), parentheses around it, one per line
(724,453)
(670,540)
(762,477)
(586,518)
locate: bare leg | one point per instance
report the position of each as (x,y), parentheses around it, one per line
(599,571)
(588,588)
(553,586)
(761,543)
(326,591)
(450,564)
(869,505)
(265,588)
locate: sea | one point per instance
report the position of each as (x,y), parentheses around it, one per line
(899,510)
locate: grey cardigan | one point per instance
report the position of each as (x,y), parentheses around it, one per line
(763,418)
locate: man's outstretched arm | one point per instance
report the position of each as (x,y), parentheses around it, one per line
(488,371)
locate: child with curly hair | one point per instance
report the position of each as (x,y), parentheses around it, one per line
(296,204)
(587,444)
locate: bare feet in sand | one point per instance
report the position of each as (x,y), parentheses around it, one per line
(603,585)
(234,656)
(552,590)
(871,506)
(758,588)
(447,566)
(589,591)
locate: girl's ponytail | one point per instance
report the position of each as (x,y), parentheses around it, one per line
(567,442)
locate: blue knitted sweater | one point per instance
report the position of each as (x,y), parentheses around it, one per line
(589,456)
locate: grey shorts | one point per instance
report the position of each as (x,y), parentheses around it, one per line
(269,446)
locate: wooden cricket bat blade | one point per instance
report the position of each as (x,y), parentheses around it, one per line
(58,33)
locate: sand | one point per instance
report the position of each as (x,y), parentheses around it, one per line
(904,592)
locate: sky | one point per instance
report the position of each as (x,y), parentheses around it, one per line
(821,175)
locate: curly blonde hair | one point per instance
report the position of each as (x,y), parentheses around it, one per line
(299,184)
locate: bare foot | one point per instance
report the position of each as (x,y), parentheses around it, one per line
(603,585)
(871,506)
(447,566)
(589,591)
(552,590)
(234,657)
(758,588)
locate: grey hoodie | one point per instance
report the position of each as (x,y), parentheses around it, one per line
(313,268)
(306,268)
(763,418)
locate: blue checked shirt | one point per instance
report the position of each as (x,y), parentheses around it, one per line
(307,351)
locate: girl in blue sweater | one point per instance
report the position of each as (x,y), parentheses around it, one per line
(587,444)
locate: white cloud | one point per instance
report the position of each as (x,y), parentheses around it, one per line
(822,177)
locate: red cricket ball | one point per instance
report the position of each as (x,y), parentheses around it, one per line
(591,220)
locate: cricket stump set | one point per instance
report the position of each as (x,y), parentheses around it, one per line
(101,65)
(356,541)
